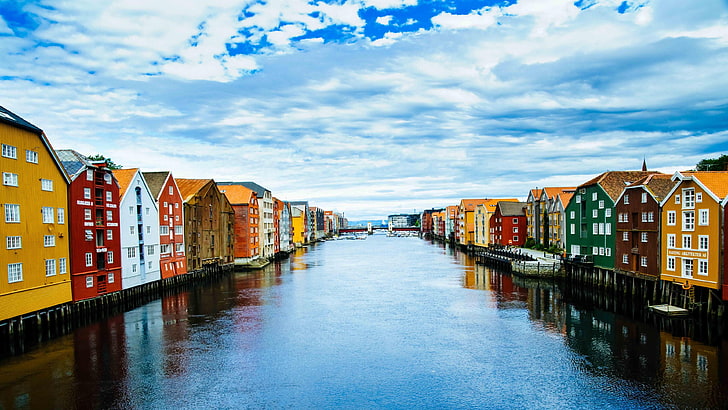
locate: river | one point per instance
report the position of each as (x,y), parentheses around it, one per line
(376,323)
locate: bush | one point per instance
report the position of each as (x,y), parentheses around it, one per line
(529,243)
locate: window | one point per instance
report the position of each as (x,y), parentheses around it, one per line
(601,204)
(164,248)
(146,211)
(698,197)
(12,213)
(89,259)
(131,252)
(149,264)
(650,216)
(594,196)
(671,217)
(13,242)
(702,267)
(171,192)
(10,179)
(50,265)
(578,199)
(601,229)
(109,234)
(687,241)
(515,237)
(644,197)
(595,250)
(671,240)
(643,261)
(48,215)
(15,270)
(87,193)
(644,216)
(61,266)
(643,237)
(150,249)
(671,263)
(10,151)
(164,230)
(607,229)
(595,213)
(703,217)
(132,231)
(595,228)
(626,199)
(110,257)
(166,218)
(180,247)
(89,175)
(49,240)
(109,215)
(131,210)
(677,199)
(107,178)
(572,229)
(608,212)
(178,230)
(111,277)
(134,268)
(608,251)
(89,235)
(625,236)
(515,229)
(688,198)
(625,259)
(703,242)
(89,281)
(61,216)
(515,220)
(46,185)
(108,196)
(601,251)
(688,220)
(687,267)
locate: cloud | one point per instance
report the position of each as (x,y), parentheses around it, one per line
(480,19)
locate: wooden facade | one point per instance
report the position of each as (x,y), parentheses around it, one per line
(208,223)
(247,221)
(34,196)
(508,224)
(172,257)
(93,208)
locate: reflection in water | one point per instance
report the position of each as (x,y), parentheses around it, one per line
(387,322)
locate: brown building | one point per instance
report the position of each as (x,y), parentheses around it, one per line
(247,222)
(209,226)
(638,225)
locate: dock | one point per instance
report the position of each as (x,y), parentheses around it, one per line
(669,310)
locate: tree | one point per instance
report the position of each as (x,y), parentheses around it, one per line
(546,232)
(713,164)
(109,163)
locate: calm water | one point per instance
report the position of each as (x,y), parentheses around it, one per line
(385,322)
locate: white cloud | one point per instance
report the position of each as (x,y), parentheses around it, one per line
(4,28)
(384,20)
(480,19)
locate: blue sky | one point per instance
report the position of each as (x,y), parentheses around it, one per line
(374,107)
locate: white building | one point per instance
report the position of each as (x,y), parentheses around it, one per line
(139,226)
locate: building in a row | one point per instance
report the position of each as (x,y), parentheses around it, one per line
(172,256)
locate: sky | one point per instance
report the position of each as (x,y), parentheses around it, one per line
(374,107)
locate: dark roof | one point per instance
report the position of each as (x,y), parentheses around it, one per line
(659,185)
(9,117)
(259,190)
(155,181)
(512,208)
(73,162)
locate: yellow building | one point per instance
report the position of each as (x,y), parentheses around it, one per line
(298,222)
(691,229)
(483,212)
(34,197)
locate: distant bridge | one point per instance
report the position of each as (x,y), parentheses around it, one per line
(379,228)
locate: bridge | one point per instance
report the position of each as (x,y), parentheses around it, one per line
(378,228)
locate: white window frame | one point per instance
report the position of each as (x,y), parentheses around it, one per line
(109,235)
(49,241)
(688,198)
(608,212)
(671,218)
(89,281)
(626,199)
(688,268)
(703,217)
(131,252)
(50,267)
(46,185)
(62,266)
(14,242)
(650,216)
(671,240)
(703,242)
(110,257)
(61,216)
(89,259)
(601,204)
(643,261)
(644,238)
(703,267)
(595,228)
(10,151)
(607,228)
(687,241)
(10,179)
(671,263)
(595,213)
(12,213)
(87,193)
(89,175)
(15,272)
(644,197)
(87,214)
(109,197)
(625,236)
(48,214)
(688,221)
(110,277)
(594,196)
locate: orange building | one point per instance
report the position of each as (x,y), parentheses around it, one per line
(247,219)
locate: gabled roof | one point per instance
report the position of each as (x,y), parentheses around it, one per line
(508,208)
(715,181)
(657,185)
(470,204)
(73,162)
(124,176)
(534,193)
(11,118)
(551,192)
(155,181)
(259,190)
(237,194)
(613,182)
(564,197)
(188,188)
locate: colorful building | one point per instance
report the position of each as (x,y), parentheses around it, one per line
(285,227)
(209,224)
(139,229)
(557,218)
(466,221)
(247,222)
(591,219)
(93,216)
(637,248)
(34,199)
(692,226)
(508,223)
(483,217)
(164,189)
(300,222)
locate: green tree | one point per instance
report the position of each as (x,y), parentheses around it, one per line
(109,163)
(713,164)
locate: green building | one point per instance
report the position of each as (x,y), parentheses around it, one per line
(590,216)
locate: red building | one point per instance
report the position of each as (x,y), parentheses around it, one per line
(93,203)
(508,224)
(277,207)
(172,258)
(247,219)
